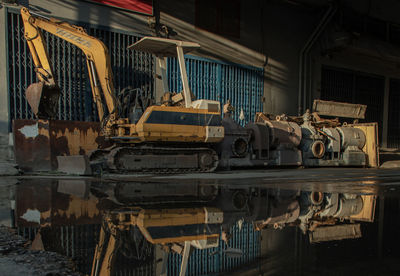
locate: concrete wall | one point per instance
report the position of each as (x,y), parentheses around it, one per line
(4,113)
(179,16)
(284,40)
(383,9)
(82,11)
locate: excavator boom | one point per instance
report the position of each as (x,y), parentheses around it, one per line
(97,58)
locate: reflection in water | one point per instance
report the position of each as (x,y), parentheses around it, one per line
(137,228)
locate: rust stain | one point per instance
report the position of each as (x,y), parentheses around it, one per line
(54,138)
(75,142)
(33,194)
(45,218)
(79,208)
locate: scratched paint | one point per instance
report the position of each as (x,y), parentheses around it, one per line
(30,131)
(32,215)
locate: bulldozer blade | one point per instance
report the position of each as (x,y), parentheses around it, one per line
(43,99)
(74,164)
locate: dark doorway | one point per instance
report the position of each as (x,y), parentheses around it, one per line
(393,140)
(355,87)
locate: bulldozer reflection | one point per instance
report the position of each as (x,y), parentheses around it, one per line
(136,218)
(322,216)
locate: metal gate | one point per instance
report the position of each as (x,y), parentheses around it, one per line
(79,243)
(130,68)
(75,241)
(355,87)
(216,260)
(215,80)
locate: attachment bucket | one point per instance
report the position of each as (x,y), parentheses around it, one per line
(43,99)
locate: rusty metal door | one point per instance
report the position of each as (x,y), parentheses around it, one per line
(130,68)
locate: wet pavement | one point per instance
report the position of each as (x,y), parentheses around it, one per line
(333,221)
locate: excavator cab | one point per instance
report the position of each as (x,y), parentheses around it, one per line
(132,103)
(163,48)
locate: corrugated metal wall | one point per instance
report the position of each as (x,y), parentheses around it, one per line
(130,68)
(79,242)
(209,79)
(206,262)
(75,241)
(215,80)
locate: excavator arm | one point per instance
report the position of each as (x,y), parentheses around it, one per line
(97,58)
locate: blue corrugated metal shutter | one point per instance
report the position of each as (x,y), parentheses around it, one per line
(216,80)
(209,79)
(205,262)
(79,242)
(130,68)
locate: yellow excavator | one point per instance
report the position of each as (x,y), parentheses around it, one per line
(175,136)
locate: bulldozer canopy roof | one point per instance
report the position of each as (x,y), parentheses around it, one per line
(163,47)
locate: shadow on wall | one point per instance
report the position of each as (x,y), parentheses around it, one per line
(110,17)
(96,14)
(213,45)
(277,74)
(273,31)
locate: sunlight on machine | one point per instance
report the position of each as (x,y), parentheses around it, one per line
(183,134)
(173,136)
(309,140)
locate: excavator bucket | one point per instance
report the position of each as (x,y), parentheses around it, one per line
(43,99)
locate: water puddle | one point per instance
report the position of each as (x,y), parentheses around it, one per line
(295,224)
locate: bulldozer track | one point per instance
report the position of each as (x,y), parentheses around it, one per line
(121,159)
